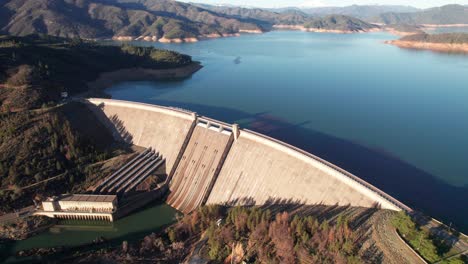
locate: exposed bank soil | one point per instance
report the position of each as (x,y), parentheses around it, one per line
(383,236)
(439,47)
(320,30)
(185,40)
(108,79)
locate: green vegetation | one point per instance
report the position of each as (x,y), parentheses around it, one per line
(233,235)
(41,139)
(430,247)
(24,227)
(449,14)
(35,69)
(339,22)
(38,145)
(256,236)
(448,38)
(106,19)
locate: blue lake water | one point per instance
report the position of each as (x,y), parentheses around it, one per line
(396,118)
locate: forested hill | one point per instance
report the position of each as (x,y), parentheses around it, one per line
(35,69)
(109,18)
(339,22)
(449,14)
(41,140)
(262,16)
(162,20)
(444,38)
(294,17)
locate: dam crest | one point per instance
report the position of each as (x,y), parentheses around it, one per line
(211,162)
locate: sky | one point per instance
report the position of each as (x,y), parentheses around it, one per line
(318,3)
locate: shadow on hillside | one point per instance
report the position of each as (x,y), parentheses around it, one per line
(359,217)
(414,187)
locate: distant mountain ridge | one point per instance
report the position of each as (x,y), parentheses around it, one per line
(155,20)
(449,14)
(364,12)
(295,19)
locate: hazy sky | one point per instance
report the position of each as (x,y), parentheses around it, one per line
(315,3)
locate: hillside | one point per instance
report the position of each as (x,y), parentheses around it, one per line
(162,19)
(295,19)
(446,42)
(261,16)
(42,67)
(286,233)
(449,38)
(364,12)
(449,14)
(42,139)
(339,23)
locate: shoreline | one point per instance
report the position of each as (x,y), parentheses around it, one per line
(186,40)
(380,28)
(319,30)
(438,47)
(107,79)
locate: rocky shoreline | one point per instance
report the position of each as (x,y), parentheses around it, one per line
(439,47)
(185,40)
(108,79)
(321,30)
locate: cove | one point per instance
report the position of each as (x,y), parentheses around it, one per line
(396,118)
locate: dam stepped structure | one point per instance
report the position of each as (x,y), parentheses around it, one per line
(210,162)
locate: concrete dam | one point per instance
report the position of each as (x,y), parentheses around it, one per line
(211,162)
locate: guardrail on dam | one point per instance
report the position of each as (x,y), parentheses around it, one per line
(209,161)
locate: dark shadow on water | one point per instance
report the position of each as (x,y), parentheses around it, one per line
(414,187)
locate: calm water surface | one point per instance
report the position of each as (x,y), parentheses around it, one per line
(76,232)
(397,118)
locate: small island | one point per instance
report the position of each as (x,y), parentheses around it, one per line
(447,42)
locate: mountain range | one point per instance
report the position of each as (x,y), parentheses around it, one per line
(109,18)
(365,12)
(449,14)
(168,20)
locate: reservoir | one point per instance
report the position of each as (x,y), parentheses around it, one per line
(396,118)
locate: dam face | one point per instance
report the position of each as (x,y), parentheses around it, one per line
(162,129)
(211,162)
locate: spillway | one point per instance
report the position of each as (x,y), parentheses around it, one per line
(210,162)
(199,166)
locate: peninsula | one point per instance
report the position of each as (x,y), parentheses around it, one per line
(447,42)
